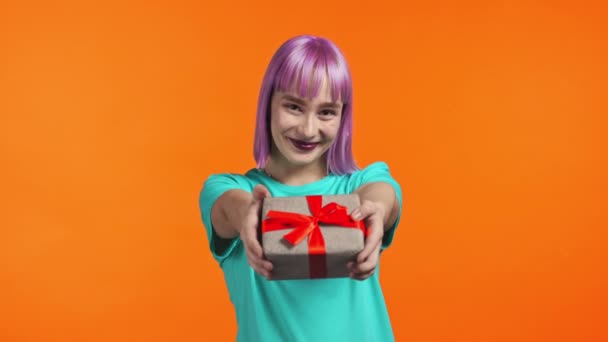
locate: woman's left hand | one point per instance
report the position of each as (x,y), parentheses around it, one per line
(372,214)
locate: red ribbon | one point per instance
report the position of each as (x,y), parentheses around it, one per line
(308,226)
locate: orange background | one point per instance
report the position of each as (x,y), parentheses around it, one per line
(491,116)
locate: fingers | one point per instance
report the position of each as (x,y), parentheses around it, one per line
(367,209)
(365,264)
(366,268)
(260,192)
(372,240)
(249,236)
(371,262)
(258,263)
(254,252)
(375,229)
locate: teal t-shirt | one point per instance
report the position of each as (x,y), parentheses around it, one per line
(337,309)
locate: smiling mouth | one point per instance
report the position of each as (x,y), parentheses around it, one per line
(302,145)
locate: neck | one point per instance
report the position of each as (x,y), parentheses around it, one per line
(296,175)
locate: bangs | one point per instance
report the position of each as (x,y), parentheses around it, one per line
(304,70)
(300,66)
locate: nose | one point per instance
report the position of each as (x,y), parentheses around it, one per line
(309,127)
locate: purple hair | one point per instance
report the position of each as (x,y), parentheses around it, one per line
(300,65)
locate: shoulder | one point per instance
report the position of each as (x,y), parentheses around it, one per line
(378,166)
(216,184)
(233,180)
(376,171)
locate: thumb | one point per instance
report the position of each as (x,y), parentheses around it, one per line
(259,193)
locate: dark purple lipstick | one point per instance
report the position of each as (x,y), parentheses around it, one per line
(303,145)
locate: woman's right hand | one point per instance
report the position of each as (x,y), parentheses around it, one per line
(249,233)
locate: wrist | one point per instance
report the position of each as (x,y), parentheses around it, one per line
(236,210)
(384,212)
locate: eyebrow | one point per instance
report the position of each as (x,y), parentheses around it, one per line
(303,103)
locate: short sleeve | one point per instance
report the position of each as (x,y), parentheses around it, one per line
(379,172)
(214,187)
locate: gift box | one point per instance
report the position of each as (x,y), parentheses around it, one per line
(311,236)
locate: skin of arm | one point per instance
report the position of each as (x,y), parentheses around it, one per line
(236,214)
(379,208)
(383,195)
(228,212)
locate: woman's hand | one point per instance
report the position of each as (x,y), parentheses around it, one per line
(373,215)
(249,233)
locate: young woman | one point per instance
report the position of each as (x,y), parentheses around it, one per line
(302,147)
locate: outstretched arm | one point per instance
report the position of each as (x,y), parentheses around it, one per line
(236,214)
(383,195)
(379,209)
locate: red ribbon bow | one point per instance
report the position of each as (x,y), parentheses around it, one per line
(304,225)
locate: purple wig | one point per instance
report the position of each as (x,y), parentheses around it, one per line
(300,65)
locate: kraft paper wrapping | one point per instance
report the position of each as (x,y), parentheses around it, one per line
(292,262)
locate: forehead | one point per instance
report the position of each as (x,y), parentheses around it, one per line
(323,94)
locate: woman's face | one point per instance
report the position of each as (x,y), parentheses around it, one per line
(303,129)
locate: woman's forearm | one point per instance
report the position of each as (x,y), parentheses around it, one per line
(227,214)
(384,195)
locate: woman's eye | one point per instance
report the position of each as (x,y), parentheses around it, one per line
(292,106)
(328,112)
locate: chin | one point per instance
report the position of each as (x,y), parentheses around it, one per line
(298,160)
